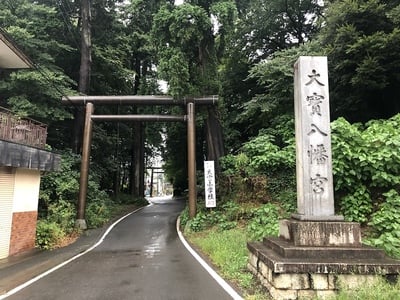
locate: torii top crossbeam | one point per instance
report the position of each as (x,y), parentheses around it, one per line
(136,99)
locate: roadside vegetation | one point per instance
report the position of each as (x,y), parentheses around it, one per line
(57,208)
(381,290)
(257,188)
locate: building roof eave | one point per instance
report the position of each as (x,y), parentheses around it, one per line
(11,57)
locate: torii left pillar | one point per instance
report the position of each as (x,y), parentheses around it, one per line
(83,182)
(191,144)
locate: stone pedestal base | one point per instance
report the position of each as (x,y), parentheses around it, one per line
(81,224)
(321,233)
(300,264)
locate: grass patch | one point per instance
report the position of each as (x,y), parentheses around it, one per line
(381,290)
(228,252)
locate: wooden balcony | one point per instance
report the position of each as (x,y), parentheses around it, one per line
(23,131)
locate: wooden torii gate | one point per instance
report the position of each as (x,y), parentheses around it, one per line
(89,102)
(152,177)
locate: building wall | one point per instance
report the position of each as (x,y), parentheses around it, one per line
(7,181)
(25,203)
(26,194)
(23,232)
(19,196)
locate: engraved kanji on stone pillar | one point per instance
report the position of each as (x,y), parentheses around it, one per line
(315,199)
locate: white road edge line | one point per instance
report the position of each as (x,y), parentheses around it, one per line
(40,276)
(216,277)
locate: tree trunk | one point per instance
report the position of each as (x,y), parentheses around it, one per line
(136,82)
(137,166)
(84,72)
(141,162)
(215,142)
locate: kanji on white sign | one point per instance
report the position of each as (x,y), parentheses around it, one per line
(209,183)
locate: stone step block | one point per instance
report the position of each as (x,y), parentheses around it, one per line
(280,264)
(288,250)
(321,233)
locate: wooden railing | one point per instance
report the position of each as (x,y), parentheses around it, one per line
(22,130)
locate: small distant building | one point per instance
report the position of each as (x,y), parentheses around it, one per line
(22,160)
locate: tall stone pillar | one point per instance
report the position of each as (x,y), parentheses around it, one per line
(315,199)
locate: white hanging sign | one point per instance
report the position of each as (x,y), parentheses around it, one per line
(209,183)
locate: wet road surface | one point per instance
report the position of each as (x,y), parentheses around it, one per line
(141,258)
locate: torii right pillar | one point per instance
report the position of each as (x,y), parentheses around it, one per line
(317,252)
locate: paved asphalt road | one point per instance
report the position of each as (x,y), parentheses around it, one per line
(141,258)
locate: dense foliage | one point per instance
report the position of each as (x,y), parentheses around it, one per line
(366,169)
(361,39)
(366,165)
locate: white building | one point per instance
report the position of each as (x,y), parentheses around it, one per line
(22,159)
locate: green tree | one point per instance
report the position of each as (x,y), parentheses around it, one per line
(256,72)
(269,26)
(272,103)
(179,34)
(36,93)
(362,39)
(188,48)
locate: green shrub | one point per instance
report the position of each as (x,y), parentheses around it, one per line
(62,213)
(48,234)
(97,213)
(348,155)
(264,222)
(282,187)
(264,168)
(198,223)
(386,225)
(287,199)
(62,185)
(366,163)
(227,225)
(357,206)
(224,217)
(123,198)
(141,201)
(267,157)
(232,164)
(184,217)
(95,193)
(230,210)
